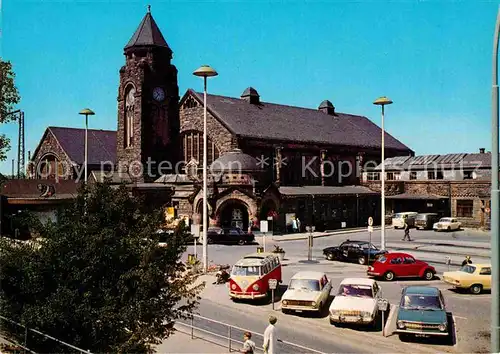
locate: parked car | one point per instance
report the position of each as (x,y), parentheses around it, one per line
(447,224)
(425,221)
(356,302)
(353,251)
(307,291)
(400,265)
(422,311)
(398,221)
(475,277)
(230,235)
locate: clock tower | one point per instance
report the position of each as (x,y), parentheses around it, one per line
(148,112)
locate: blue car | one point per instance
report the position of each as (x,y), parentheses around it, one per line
(422,311)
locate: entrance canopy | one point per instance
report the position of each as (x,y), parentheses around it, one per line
(408,196)
(326,190)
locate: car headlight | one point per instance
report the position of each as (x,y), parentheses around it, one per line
(366,314)
(233,286)
(335,312)
(442,327)
(255,287)
(284,302)
(401,324)
(314,303)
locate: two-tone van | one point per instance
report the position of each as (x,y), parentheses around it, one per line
(398,221)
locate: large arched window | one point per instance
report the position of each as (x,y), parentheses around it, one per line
(49,167)
(129,116)
(192,147)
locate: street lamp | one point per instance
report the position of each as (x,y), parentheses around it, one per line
(87,112)
(382,101)
(205,71)
(495,203)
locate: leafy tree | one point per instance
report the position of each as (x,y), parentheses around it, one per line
(98,279)
(9,96)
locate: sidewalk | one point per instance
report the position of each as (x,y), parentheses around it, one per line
(180,342)
(305,235)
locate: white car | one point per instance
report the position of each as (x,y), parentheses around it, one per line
(356,302)
(307,291)
(447,224)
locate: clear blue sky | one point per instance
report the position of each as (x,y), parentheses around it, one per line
(432,58)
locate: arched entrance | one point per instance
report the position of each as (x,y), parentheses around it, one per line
(233,213)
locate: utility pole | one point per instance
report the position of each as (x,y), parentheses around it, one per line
(495,207)
(20,146)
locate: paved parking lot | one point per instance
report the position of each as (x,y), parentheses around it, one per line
(471,312)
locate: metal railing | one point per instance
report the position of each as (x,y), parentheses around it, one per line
(228,333)
(15,338)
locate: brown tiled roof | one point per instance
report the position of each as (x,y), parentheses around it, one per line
(101,144)
(410,196)
(28,188)
(288,123)
(147,34)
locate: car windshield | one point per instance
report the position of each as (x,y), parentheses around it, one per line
(367,246)
(398,216)
(468,269)
(355,290)
(445,220)
(304,284)
(381,259)
(245,271)
(422,302)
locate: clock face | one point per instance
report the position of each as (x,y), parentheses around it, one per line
(158,94)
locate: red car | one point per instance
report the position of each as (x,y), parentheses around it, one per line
(400,265)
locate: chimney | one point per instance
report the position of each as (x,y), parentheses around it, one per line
(327,107)
(251,96)
(481,150)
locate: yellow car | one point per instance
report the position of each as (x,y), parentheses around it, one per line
(475,277)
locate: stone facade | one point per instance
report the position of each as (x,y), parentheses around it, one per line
(49,150)
(155,123)
(192,119)
(477,191)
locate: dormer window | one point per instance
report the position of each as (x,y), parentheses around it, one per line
(468,175)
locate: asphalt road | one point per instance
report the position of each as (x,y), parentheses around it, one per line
(471,312)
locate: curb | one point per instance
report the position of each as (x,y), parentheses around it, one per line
(347,231)
(437,252)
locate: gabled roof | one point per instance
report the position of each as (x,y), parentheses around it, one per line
(147,34)
(446,161)
(101,144)
(295,124)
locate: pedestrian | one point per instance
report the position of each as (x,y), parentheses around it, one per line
(298,224)
(294,225)
(248,344)
(466,261)
(407,229)
(271,337)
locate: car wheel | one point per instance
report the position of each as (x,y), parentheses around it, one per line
(428,275)
(329,256)
(241,242)
(449,228)
(210,241)
(476,289)
(389,276)
(362,260)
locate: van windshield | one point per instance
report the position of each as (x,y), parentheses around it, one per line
(245,271)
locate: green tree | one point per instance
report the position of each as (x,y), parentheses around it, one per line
(99,280)
(9,96)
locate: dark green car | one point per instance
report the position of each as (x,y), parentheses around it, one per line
(422,311)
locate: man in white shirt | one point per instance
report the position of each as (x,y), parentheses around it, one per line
(271,337)
(248,345)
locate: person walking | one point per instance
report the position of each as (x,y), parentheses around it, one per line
(271,337)
(466,261)
(248,344)
(294,225)
(407,229)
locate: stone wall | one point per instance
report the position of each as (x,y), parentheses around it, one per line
(192,119)
(50,146)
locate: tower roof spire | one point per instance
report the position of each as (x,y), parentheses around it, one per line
(147,34)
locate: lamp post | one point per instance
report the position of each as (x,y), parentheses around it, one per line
(382,101)
(205,71)
(495,203)
(86,112)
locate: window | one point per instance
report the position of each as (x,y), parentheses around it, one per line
(468,175)
(435,175)
(409,260)
(485,271)
(397,260)
(193,148)
(393,176)
(373,176)
(129,117)
(190,103)
(413,175)
(465,208)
